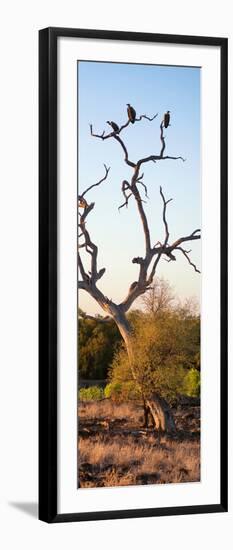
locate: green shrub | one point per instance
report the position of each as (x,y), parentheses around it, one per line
(113,390)
(93,393)
(192,383)
(121,391)
(96,346)
(108,391)
(165,354)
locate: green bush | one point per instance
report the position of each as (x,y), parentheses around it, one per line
(165,358)
(113,390)
(93,393)
(192,383)
(96,346)
(121,391)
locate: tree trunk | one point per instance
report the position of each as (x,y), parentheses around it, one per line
(160,412)
(154,406)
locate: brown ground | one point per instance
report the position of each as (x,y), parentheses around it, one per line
(114,450)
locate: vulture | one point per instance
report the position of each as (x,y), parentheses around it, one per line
(166,119)
(114,126)
(131,113)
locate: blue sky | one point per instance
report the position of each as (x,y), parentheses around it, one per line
(103,91)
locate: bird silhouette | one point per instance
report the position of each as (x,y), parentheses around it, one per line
(114,125)
(166,120)
(131,113)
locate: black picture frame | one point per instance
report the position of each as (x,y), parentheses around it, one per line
(48,274)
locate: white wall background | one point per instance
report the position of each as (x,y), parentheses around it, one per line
(20,22)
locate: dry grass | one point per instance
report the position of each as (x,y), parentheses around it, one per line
(106,408)
(113,451)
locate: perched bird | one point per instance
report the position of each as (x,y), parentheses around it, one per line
(114,126)
(166,119)
(131,113)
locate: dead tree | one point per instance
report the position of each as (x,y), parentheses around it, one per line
(147,265)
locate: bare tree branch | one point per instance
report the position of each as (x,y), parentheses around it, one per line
(139,180)
(186,254)
(98,182)
(129,162)
(165,249)
(191,237)
(162,140)
(142,214)
(94,275)
(147,117)
(125,186)
(83,286)
(82,271)
(151,255)
(126,202)
(153,271)
(164,216)
(151,158)
(112,134)
(154,158)
(130,190)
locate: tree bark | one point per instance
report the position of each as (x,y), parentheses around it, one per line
(155,406)
(160,412)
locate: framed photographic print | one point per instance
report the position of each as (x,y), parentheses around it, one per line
(133,275)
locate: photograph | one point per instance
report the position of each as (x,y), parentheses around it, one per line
(139,282)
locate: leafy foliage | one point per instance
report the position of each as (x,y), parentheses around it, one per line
(97,342)
(166,349)
(166,356)
(192,383)
(93,393)
(121,391)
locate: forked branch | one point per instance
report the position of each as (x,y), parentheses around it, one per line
(89,279)
(186,254)
(103,135)
(153,254)
(98,182)
(150,158)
